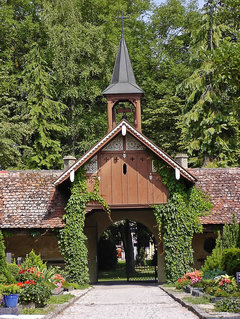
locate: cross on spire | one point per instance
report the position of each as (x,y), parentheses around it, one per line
(122,17)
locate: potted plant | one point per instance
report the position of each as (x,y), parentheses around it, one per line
(10,294)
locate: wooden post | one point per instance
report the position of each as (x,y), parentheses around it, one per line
(138,116)
(109,107)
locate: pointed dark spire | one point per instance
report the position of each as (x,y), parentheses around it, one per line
(123,79)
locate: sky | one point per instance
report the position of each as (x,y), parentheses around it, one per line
(200,2)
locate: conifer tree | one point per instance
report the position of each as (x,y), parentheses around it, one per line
(210,130)
(46,114)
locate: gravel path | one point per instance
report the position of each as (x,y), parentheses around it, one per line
(135,301)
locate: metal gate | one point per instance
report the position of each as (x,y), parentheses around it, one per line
(143,273)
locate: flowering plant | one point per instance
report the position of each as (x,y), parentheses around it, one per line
(221,286)
(191,278)
(30,274)
(58,280)
(227,283)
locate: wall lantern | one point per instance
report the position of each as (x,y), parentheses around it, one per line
(72,176)
(177,173)
(124,130)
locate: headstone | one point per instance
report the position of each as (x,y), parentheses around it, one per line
(19,260)
(238,277)
(9,258)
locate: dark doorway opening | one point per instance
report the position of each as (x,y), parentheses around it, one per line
(127,251)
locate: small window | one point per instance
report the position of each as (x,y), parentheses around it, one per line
(124,169)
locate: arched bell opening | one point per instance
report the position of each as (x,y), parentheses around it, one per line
(126,110)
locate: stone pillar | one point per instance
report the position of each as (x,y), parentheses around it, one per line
(182,159)
(161,269)
(68,161)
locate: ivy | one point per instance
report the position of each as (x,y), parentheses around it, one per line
(72,239)
(178,221)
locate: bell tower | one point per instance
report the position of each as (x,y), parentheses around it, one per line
(123,87)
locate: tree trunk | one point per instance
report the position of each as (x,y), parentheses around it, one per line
(128,246)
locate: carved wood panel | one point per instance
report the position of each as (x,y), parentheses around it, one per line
(129,180)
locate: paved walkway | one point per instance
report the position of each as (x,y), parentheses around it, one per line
(122,301)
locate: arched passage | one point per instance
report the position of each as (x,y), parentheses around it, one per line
(98,221)
(127,252)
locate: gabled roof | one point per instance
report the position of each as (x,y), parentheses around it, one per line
(28,199)
(140,137)
(222,185)
(123,79)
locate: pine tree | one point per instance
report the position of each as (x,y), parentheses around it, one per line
(210,130)
(46,114)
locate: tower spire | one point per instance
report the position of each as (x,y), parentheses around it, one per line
(123,86)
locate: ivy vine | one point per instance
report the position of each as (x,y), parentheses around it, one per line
(72,238)
(178,220)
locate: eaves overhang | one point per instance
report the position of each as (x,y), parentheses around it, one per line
(139,136)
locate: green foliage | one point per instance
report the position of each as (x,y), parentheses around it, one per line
(107,254)
(38,293)
(3,263)
(178,221)
(72,239)
(230,234)
(212,273)
(229,239)
(9,289)
(231,260)
(228,305)
(33,260)
(14,270)
(209,124)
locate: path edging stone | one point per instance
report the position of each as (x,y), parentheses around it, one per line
(196,310)
(60,308)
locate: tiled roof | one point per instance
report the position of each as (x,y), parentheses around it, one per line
(223,187)
(28,199)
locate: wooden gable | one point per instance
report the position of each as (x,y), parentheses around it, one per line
(122,161)
(126,174)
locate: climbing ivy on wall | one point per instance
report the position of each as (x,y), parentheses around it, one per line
(178,221)
(72,239)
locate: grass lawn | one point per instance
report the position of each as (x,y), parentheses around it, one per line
(119,274)
(197,300)
(52,302)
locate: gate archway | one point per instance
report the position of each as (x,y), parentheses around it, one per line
(98,221)
(127,251)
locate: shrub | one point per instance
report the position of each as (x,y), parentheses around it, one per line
(231,260)
(182,282)
(3,279)
(14,270)
(3,263)
(107,254)
(212,273)
(35,261)
(223,286)
(38,293)
(10,289)
(228,304)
